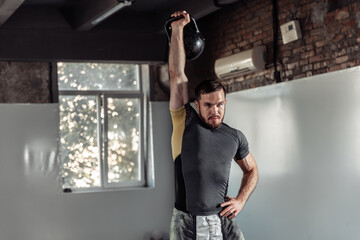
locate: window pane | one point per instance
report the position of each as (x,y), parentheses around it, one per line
(79,147)
(97,76)
(123,140)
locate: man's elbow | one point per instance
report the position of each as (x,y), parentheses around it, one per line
(177,80)
(176,75)
(253,173)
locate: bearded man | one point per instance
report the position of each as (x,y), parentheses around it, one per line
(203,148)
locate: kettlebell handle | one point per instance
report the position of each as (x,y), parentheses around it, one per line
(173,19)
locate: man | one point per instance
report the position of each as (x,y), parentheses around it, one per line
(203,148)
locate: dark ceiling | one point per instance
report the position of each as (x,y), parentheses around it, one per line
(63,29)
(141,15)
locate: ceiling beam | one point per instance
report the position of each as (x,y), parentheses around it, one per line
(7,8)
(86,14)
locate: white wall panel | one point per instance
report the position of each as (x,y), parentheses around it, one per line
(32,206)
(305,136)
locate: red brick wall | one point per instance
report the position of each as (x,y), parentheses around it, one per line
(330,39)
(25,82)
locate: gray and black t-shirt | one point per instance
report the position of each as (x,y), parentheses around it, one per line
(203,159)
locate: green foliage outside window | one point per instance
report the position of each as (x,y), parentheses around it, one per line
(85,88)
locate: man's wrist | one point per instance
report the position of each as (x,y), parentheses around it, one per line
(240,199)
(177,30)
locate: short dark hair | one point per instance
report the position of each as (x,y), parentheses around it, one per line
(208,86)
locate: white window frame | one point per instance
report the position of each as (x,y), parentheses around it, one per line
(146,170)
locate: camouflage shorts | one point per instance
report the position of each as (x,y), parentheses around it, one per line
(185,226)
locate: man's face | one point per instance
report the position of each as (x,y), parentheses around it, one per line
(211,108)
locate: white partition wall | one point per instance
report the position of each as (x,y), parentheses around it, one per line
(305,136)
(32,206)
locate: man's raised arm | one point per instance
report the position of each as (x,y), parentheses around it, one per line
(179,95)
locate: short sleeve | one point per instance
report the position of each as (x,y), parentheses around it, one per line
(243,147)
(178,120)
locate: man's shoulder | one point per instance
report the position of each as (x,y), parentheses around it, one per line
(189,107)
(227,127)
(233,131)
(190,111)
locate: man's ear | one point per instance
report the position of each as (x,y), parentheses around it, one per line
(196,105)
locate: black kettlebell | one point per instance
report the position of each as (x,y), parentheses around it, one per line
(194,42)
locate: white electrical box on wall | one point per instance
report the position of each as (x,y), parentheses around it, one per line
(290,31)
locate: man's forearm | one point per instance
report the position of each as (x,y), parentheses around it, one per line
(248,185)
(177,55)
(234,205)
(178,80)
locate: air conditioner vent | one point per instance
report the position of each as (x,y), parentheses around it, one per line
(241,63)
(235,73)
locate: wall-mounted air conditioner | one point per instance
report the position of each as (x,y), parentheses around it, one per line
(241,63)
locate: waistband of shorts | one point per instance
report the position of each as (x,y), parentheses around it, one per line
(215,212)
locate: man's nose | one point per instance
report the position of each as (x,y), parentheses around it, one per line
(214,109)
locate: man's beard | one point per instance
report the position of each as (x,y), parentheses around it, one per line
(211,125)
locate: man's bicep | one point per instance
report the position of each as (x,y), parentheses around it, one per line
(247,163)
(179,95)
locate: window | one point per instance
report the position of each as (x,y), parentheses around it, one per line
(103,125)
